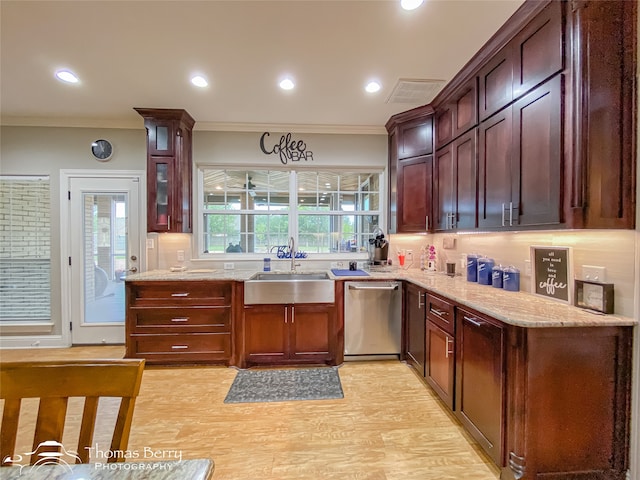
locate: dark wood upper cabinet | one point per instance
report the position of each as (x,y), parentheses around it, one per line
(458,115)
(536,160)
(600,183)
(415,137)
(169,169)
(393,182)
(494,169)
(415,181)
(496,83)
(538,50)
(532,56)
(456,184)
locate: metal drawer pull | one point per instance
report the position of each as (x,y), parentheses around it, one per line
(179,347)
(442,313)
(384,287)
(503,207)
(180,319)
(179,294)
(449,343)
(475,322)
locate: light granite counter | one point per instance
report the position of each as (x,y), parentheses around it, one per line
(515,308)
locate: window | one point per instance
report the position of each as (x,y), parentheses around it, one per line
(25,249)
(257,211)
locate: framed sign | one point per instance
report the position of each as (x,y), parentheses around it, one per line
(552,275)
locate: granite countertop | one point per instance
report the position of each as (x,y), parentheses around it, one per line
(516,308)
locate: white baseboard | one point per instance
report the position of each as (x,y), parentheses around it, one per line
(44,341)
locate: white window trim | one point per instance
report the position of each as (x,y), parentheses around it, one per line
(198,225)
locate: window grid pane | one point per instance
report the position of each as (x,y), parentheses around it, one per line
(248,211)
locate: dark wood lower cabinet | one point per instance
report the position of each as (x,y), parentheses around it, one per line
(440,362)
(568,401)
(480,380)
(286,334)
(415,324)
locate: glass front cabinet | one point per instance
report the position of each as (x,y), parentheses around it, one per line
(169,169)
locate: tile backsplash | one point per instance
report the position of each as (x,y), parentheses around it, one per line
(612,249)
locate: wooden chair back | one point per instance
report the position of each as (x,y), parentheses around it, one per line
(54,382)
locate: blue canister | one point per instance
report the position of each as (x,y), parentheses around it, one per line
(472,268)
(496,276)
(266,264)
(485,266)
(511,279)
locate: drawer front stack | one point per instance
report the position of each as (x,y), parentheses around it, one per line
(179,322)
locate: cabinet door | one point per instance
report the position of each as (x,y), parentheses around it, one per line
(415,137)
(443,128)
(415,323)
(440,362)
(480,380)
(393,182)
(538,50)
(310,327)
(415,177)
(160,137)
(466,108)
(494,169)
(160,179)
(537,156)
(465,178)
(496,83)
(266,333)
(604,71)
(444,207)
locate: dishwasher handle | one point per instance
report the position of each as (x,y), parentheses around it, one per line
(393,286)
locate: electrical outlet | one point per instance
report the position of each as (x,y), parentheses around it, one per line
(150,243)
(593,273)
(228,266)
(527,267)
(180,255)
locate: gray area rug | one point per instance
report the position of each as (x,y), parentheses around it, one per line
(284,385)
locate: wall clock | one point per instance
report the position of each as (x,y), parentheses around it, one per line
(102,150)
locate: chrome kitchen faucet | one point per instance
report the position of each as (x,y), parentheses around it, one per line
(292,252)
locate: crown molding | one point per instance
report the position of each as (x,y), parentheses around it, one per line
(137,124)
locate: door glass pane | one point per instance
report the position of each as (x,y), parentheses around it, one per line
(105,256)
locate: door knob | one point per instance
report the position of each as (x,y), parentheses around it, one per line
(133,269)
(133,258)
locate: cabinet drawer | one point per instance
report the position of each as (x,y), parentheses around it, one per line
(179,347)
(440,312)
(192,319)
(180,293)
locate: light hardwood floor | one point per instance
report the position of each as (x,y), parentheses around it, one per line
(389,426)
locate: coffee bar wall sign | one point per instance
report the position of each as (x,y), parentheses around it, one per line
(287,149)
(552,276)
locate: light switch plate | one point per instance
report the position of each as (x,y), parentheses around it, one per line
(594,273)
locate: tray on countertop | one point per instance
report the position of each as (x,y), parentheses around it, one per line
(349,273)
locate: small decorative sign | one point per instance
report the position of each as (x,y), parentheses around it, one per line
(287,149)
(552,275)
(594,296)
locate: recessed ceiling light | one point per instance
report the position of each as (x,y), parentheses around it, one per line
(372,87)
(411,4)
(67,76)
(199,81)
(287,84)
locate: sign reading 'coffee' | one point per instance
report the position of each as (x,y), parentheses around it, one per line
(287,149)
(552,272)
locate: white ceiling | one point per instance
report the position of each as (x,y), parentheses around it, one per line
(143,53)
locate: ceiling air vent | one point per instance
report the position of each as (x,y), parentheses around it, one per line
(415,90)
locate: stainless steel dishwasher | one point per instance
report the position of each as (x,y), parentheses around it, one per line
(372,320)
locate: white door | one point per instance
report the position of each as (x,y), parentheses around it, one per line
(104,241)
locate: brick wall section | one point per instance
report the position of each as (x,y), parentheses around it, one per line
(25,248)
